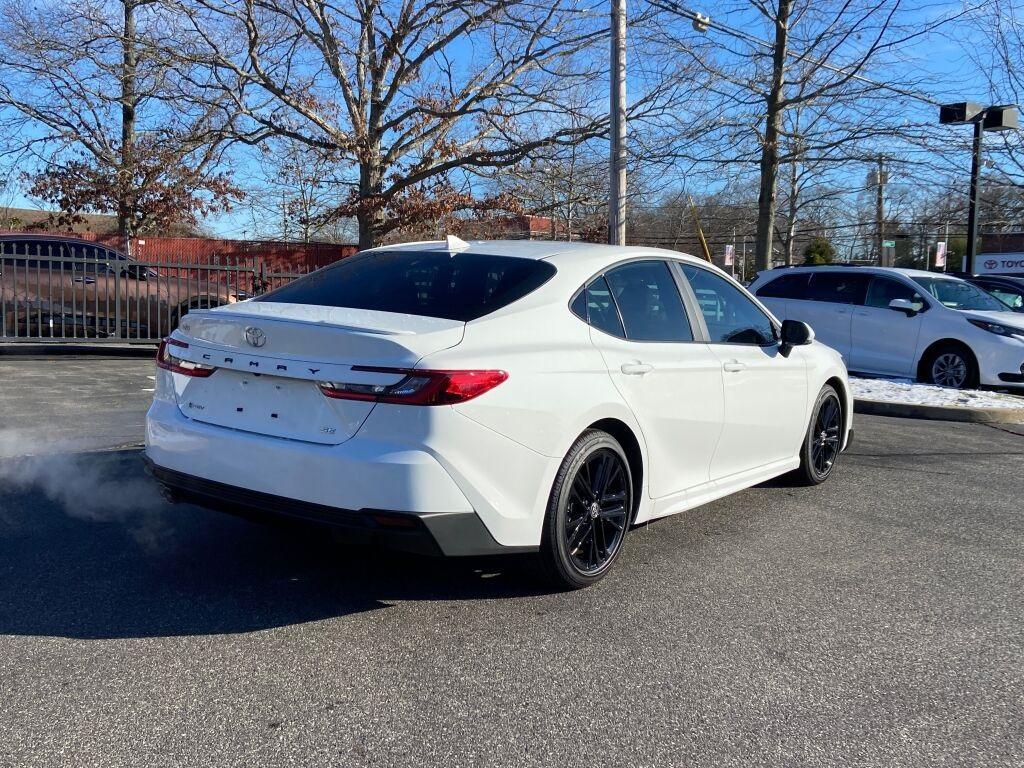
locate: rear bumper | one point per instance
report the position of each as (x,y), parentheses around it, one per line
(428,462)
(451,534)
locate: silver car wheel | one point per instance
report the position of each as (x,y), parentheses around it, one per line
(949,370)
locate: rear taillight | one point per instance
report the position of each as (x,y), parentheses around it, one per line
(170,362)
(417,387)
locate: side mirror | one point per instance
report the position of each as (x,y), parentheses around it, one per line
(904,305)
(794,334)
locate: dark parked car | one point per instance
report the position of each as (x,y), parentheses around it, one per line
(1009,289)
(57,286)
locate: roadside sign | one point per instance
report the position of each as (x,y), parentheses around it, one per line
(940,254)
(888,243)
(730,255)
(998,263)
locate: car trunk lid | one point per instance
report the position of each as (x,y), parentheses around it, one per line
(270,359)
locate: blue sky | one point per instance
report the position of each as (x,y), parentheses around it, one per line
(941,56)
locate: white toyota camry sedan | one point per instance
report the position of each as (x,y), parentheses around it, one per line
(487,397)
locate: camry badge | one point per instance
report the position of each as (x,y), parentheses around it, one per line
(255,336)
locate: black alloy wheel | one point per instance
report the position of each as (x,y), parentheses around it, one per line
(823,440)
(595,519)
(827,429)
(589,512)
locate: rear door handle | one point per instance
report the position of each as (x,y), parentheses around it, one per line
(636,369)
(733,366)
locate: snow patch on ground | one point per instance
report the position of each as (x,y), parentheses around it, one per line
(907,391)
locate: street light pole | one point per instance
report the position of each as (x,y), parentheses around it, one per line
(998,117)
(972,208)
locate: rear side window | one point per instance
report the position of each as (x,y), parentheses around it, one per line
(838,287)
(433,284)
(595,305)
(649,301)
(792,285)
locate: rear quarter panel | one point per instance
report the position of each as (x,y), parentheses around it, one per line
(558,383)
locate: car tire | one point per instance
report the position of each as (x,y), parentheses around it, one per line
(823,440)
(588,514)
(950,365)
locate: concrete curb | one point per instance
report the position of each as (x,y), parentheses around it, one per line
(940,412)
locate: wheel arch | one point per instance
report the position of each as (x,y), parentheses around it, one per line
(938,344)
(634,455)
(839,385)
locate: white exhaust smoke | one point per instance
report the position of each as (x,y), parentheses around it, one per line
(87,484)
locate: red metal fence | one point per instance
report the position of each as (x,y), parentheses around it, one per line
(58,289)
(277,255)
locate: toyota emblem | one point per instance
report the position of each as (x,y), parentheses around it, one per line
(991,264)
(255,336)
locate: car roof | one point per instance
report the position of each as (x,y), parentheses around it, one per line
(555,251)
(1015,279)
(858,269)
(8,236)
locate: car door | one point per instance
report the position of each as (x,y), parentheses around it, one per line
(668,377)
(30,271)
(765,392)
(884,340)
(832,296)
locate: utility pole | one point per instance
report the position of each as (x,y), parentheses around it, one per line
(617,106)
(880,179)
(126,174)
(551,170)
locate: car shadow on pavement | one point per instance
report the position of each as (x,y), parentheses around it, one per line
(88,549)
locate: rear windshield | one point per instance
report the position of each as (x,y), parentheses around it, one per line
(434,284)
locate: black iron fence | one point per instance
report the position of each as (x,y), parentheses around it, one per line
(62,291)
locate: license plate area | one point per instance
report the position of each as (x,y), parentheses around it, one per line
(270,405)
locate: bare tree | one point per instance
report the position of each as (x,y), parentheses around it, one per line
(88,97)
(414,94)
(1000,60)
(294,191)
(836,62)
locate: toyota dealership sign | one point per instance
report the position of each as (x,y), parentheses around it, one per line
(999,263)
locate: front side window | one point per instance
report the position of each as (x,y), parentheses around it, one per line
(452,286)
(838,287)
(883,290)
(648,299)
(959,294)
(730,315)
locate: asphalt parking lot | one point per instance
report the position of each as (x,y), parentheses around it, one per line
(876,620)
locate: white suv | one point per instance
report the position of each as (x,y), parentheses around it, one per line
(902,322)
